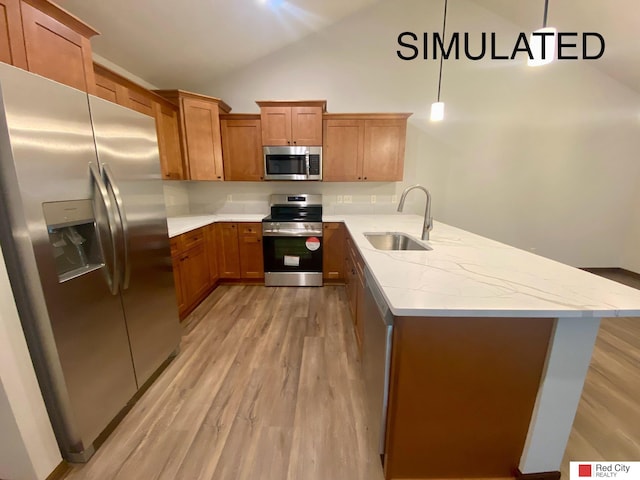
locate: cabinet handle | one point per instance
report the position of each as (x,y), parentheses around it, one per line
(219,176)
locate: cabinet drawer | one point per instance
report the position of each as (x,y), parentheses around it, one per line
(192,239)
(250,228)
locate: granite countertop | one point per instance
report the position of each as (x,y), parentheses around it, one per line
(466,275)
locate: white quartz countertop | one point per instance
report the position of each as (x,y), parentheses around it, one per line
(466,275)
(179,225)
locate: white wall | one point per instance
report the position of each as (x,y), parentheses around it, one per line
(28,448)
(176,198)
(544,159)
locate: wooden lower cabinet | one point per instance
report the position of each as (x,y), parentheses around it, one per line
(355,285)
(228,251)
(333,251)
(250,250)
(190,269)
(212,253)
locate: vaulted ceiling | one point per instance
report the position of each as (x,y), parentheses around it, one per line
(180,44)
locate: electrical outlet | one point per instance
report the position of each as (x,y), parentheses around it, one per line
(394,198)
(347,199)
(339,199)
(373,199)
(229,198)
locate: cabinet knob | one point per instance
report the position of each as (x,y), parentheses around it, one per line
(261,178)
(295,143)
(359,178)
(365,178)
(288,142)
(219,176)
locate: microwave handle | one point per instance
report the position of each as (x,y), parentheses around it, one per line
(307,164)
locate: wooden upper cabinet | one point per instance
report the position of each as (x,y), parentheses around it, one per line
(12,49)
(200,133)
(118,89)
(342,151)
(241,147)
(384,142)
(57,44)
(167,125)
(364,147)
(292,123)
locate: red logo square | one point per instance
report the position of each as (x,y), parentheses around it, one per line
(584,470)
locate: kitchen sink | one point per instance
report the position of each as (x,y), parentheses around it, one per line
(394,241)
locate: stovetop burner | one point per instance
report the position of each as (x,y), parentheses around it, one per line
(295,208)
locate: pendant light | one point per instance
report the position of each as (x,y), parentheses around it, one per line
(437,108)
(544,41)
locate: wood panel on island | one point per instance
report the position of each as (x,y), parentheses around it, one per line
(292,122)
(41,37)
(200,133)
(364,147)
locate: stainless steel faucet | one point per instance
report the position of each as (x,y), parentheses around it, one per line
(428,219)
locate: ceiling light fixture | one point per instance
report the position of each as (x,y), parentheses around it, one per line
(543,42)
(437,108)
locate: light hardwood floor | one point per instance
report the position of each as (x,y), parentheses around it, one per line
(267,386)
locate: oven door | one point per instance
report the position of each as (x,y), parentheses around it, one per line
(292,254)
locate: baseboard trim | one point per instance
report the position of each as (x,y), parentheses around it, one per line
(537,476)
(60,471)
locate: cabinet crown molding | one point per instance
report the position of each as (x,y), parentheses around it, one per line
(293,103)
(175,95)
(63,16)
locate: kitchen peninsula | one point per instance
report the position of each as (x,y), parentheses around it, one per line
(491,345)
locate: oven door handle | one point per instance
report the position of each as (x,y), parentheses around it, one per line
(281,233)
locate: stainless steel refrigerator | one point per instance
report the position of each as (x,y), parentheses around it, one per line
(84,234)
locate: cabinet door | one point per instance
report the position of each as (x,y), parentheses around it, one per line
(178,280)
(167,125)
(228,253)
(343,150)
(276,125)
(109,89)
(195,269)
(306,126)
(333,251)
(384,142)
(11,38)
(140,103)
(212,253)
(242,150)
(56,51)
(203,144)
(250,246)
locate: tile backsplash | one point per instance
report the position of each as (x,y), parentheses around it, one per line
(248,197)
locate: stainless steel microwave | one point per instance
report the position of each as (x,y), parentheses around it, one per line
(292,163)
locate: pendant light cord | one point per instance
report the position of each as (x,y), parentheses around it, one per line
(444,29)
(546,11)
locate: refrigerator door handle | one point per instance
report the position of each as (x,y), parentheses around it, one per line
(112,280)
(123,223)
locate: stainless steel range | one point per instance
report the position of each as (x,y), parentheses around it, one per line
(292,241)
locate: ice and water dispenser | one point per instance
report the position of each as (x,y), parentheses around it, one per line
(73,237)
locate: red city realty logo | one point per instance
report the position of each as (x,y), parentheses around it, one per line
(584,470)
